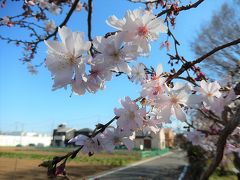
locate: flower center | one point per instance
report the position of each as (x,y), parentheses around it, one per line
(143,31)
(209,94)
(157,89)
(131,115)
(116,140)
(174,100)
(72,60)
(94,73)
(115,56)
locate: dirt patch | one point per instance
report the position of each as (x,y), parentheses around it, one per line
(28,169)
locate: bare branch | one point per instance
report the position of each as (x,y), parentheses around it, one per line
(229,128)
(190,64)
(89,20)
(69,14)
(182,8)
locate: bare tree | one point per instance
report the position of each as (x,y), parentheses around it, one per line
(223,27)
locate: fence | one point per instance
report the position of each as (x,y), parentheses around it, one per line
(154,152)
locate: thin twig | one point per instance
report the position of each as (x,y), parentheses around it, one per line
(190,64)
(182,8)
(69,14)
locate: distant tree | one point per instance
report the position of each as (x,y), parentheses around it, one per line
(223,27)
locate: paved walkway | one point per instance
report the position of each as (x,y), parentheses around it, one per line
(166,167)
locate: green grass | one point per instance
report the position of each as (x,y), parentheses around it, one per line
(118,159)
(228,177)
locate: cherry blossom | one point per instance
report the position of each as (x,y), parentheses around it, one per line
(31,3)
(114,53)
(79,6)
(65,59)
(153,87)
(53,8)
(130,116)
(6,20)
(171,103)
(86,83)
(195,137)
(31,68)
(141,28)
(138,73)
(151,125)
(209,91)
(114,137)
(90,145)
(43,3)
(219,103)
(50,26)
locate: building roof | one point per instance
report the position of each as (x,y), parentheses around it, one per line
(85,130)
(63,128)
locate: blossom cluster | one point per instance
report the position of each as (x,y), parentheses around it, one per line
(67,59)
(45,4)
(161,101)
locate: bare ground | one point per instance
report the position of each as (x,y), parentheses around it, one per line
(27,169)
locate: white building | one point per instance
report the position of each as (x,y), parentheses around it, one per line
(25,139)
(150,140)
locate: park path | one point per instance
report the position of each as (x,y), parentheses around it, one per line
(166,167)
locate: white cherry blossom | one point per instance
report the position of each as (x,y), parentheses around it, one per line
(153,87)
(195,137)
(141,28)
(50,26)
(86,83)
(114,53)
(171,103)
(209,91)
(6,20)
(151,125)
(53,8)
(130,116)
(65,59)
(114,137)
(219,103)
(43,4)
(90,145)
(79,6)
(138,73)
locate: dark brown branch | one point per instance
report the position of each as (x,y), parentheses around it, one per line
(182,8)
(144,2)
(99,129)
(200,130)
(69,14)
(229,128)
(89,20)
(190,64)
(211,117)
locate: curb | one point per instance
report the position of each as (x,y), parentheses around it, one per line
(183,173)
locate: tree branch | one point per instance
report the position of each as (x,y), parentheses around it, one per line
(190,64)
(69,14)
(229,128)
(89,20)
(182,8)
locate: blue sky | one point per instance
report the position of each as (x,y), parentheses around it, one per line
(27,102)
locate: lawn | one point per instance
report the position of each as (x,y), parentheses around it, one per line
(22,163)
